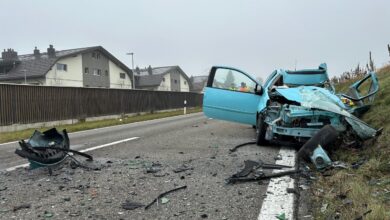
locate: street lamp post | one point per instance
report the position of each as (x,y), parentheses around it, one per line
(132,67)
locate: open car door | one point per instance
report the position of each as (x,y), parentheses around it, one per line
(232,95)
(362,94)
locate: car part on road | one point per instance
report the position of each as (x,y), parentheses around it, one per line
(164,194)
(320,158)
(263,176)
(324,137)
(241,145)
(47,149)
(129,205)
(22,206)
(182,168)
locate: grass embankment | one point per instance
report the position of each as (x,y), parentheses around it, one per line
(349,193)
(23,134)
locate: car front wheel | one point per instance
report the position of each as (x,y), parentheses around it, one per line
(260,130)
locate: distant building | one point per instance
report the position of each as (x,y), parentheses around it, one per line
(82,67)
(198,83)
(168,78)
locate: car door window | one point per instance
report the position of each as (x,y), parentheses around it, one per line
(233,80)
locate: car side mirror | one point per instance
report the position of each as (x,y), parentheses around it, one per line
(259,90)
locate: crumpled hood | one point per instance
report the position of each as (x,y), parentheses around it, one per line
(314,97)
(323,99)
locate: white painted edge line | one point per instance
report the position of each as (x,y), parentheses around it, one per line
(85,150)
(277,200)
(133,123)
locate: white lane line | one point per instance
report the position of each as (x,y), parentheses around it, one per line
(85,150)
(16,167)
(277,200)
(133,123)
(109,144)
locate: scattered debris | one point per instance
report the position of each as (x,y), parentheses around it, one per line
(164,200)
(47,149)
(278,157)
(347,202)
(260,176)
(154,168)
(163,194)
(339,164)
(364,214)
(324,207)
(129,205)
(47,214)
(357,164)
(22,206)
(281,216)
(241,145)
(204,216)
(182,168)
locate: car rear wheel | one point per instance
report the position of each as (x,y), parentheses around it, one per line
(260,130)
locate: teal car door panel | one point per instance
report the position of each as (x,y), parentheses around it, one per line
(232,95)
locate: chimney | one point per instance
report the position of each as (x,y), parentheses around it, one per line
(137,70)
(9,55)
(150,71)
(37,54)
(51,52)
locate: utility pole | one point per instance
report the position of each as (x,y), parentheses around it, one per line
(132,67)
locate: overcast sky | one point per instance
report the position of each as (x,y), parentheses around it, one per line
(255,36)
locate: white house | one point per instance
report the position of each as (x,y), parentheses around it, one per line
(168,78)
(82,67)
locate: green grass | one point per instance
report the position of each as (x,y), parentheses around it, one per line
(369,186)
(23,134)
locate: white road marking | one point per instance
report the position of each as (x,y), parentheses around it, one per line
(278,201)
(85,150)
(16,167)
(109,144)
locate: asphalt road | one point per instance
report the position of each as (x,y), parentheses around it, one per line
(199,143)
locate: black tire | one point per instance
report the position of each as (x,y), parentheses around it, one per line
(260,130)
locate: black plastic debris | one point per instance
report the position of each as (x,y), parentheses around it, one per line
(129,205)
(251,166)
(48,148)
(182,168)
(241,145)
(164,194)
(260,176)
(22,206)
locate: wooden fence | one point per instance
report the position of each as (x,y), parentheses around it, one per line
(23,104)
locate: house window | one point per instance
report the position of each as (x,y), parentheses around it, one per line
(99,72)
(95,72)
(98,56)
(163,79)
(185,83)
(62,67)
(106,73)
(175,81)
(93,54)
(122,75)
(86,70)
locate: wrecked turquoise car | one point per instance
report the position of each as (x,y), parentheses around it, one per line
(291,106)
